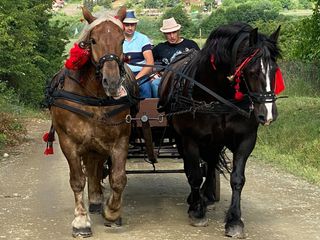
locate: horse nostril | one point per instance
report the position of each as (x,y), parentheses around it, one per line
(104,81)
(261,118)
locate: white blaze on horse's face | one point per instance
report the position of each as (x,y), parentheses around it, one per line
(265,67)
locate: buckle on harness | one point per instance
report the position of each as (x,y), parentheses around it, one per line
(128,118)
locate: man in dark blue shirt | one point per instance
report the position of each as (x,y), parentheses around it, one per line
(165,52)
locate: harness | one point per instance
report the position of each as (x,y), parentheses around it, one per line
(55,91)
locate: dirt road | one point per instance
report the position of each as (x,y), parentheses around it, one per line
(36,201)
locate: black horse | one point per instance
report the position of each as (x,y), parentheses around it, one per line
(234,77)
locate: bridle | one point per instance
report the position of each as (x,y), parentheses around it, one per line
(257,97)
(106,58)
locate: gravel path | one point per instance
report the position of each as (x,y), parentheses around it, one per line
(36,201)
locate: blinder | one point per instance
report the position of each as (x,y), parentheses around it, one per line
(102,60)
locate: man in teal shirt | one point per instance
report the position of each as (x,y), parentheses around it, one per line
(137,48)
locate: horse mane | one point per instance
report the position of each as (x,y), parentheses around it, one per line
(226,41)
(100,17)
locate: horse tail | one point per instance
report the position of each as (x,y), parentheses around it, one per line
(224,164)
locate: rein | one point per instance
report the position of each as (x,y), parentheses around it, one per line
(200,85)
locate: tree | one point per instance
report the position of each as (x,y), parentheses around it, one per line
(308,47)
(216,19)
(30,47)
(152,4)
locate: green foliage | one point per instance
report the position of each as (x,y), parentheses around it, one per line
(302,79)
(216,19)
(9,101)
(151,27)
(288,35)
(152,4)
(71,24)
(308,37)
(132,3)
(30,47)
(262,10)
(249,12)
(90,4)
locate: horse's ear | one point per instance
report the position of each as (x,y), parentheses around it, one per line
(253,38)
(274,36)
(122,13)
(87,15)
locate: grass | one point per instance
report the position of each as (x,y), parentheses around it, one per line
(292,142)
(297,12)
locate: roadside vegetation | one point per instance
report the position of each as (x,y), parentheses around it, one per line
(35,42)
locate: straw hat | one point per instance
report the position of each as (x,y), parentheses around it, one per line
(130,17)
(169,25)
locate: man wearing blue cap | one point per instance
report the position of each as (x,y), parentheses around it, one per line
(137,49)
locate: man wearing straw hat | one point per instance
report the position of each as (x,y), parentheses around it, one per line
(137,49)
(165,52)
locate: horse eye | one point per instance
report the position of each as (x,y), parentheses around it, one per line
(92,41)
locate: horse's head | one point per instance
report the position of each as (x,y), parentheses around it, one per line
(104,38)
(259,74)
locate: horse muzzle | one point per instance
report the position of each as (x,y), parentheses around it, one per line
(112,87)
(266,113)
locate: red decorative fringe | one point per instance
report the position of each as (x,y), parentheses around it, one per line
(48,138)
(48,151)
(238,96)
(78,57)
(279,82)
(45,137)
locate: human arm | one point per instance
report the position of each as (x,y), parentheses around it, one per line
(149,61)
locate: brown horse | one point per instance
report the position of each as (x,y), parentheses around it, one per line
(89,116)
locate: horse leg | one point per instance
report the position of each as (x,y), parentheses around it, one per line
(208,187)
(197,206)
(117,180)
(94,168)
(234,226)
(81,224)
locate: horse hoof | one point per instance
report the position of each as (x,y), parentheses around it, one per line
(235,232)
(81,232)
(114,224)
(95,208)
(198,222)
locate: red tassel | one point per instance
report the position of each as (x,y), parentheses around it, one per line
(49,138)
(78,57)
(238,96)
(279,82)
(48,151)
(45,137)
